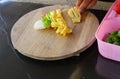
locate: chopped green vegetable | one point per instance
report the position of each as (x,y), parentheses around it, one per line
(48,16)
(109,40)
(47,20)
(114,38)
(114,33)
(119,33)
(116,43)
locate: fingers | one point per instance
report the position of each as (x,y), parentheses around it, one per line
(93,2)
(78,3)
(82,5)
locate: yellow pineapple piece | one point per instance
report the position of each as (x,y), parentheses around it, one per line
(59,23)
(74,14)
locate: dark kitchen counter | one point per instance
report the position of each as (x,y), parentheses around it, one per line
(89,65)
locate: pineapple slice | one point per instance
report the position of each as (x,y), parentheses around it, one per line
(59,23)
(74,15)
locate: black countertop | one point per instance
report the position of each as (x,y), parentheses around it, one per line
(89,65)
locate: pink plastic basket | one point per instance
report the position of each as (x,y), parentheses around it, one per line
(111,22)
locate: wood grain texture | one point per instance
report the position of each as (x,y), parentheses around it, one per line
(46,44)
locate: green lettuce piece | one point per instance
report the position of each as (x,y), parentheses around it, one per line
(47,20)
(48,16)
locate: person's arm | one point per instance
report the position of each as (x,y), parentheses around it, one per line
(82,5)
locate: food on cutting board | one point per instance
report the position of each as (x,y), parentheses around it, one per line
(74,14)
(39,25)
(114,37)
(54,19)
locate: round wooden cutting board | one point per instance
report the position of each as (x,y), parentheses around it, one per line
(46,44)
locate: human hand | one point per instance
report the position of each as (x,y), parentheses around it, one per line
(82,5)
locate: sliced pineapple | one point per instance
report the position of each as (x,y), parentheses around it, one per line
(74,14)
(59,23)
